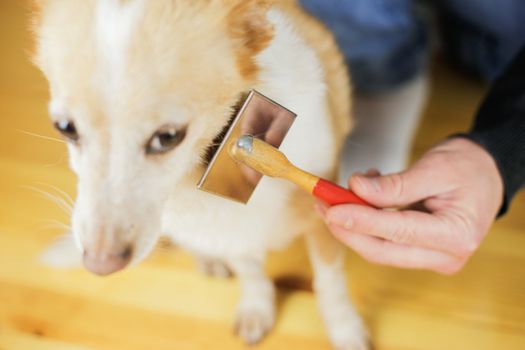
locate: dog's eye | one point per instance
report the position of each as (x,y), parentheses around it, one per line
(68,129)
(165,139)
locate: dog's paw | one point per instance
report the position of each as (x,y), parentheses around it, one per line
(62,253)
(253,325)
(350,336)
(213,267)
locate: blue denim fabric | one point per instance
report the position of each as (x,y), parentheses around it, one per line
(385,41)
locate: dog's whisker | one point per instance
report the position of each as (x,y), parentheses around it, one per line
(63,239)
(60,160)
(49,138)
(56,226)
(52,223)
(61,192)
(60,202)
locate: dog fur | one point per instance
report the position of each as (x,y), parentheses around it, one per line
(121,69)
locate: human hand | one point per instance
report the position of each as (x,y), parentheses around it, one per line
(458,191)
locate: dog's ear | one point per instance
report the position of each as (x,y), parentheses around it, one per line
(35,9)
(251,31)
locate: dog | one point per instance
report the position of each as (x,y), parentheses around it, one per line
(141,88)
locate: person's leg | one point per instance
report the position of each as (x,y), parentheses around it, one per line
(385,45)
(482,36)
(384,41)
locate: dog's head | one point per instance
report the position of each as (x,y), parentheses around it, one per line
(139,89)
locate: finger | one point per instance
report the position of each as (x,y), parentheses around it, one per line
(400,189)
(404,227)
(321,208)
(372,172)
(383,252)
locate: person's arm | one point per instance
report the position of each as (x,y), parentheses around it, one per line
(500,127)
(458,188)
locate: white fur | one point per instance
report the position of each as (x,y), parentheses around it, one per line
(342,321)
(298,81)
(57,109)
(115,22)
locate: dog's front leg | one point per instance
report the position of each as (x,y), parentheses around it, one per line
(343,323)
(256,309)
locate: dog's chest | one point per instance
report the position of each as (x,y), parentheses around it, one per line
(218,227)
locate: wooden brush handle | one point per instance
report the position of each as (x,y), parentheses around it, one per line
(327,191)
(269,161)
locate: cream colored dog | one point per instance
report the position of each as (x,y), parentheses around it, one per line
(140,88)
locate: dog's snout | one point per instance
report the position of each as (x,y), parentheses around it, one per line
(105,263)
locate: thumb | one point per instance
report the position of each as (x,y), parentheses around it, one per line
(395,190)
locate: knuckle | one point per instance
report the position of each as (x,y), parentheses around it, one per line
(470,247)
(395,185)
(467,237)
(402,235)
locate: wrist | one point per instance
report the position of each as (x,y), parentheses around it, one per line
(484,163)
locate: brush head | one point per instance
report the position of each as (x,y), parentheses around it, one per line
(259,118)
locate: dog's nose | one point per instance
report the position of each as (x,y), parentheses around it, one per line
(103,264)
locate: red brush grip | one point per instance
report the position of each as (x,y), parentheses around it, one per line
(333,194)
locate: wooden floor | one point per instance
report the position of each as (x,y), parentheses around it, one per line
(165,304)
